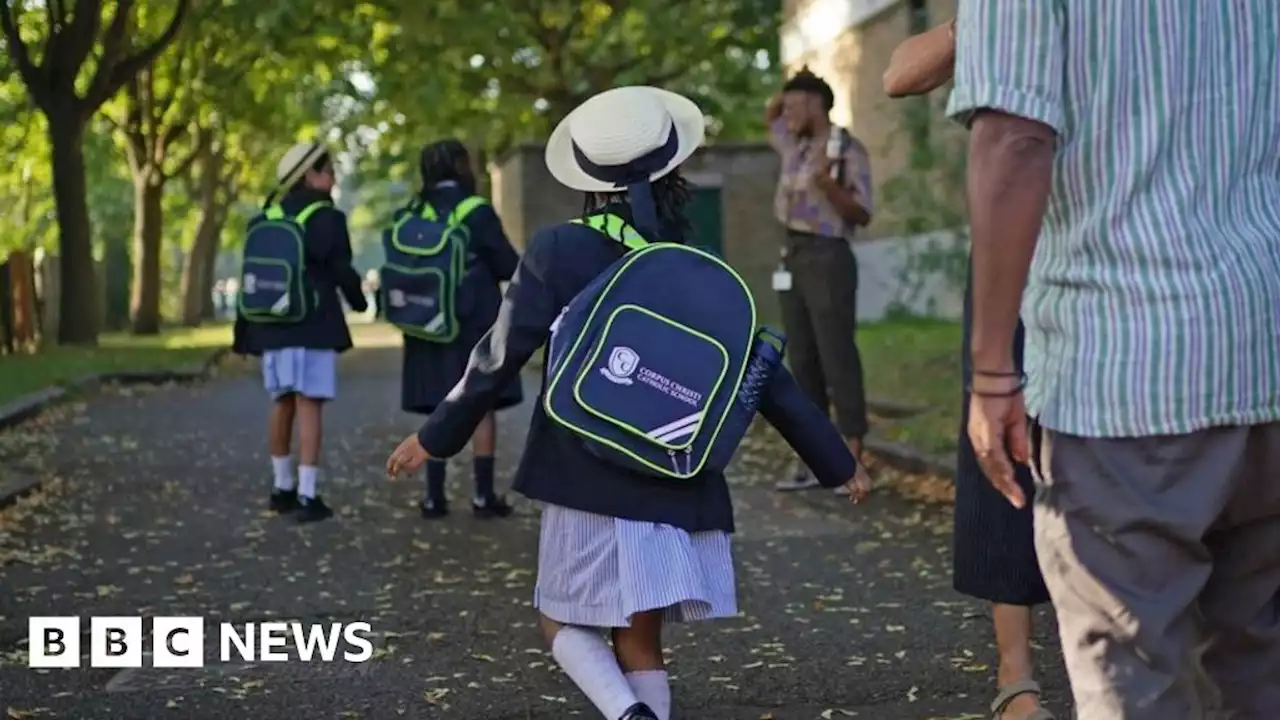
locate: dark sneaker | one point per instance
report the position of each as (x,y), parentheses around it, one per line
(284,501)
(799,481)
(313,510)
(639,711)
(492,507)
(433,511)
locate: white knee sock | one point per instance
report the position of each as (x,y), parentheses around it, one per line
(652,688)
(282,468)
(307,476)
(588,661)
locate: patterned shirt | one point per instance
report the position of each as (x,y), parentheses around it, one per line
(1153,303)
(801,205)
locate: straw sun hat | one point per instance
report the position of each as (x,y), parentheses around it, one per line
(624,136)
(297,162)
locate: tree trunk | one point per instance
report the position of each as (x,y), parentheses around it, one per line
(204,248)
(148,233)
(77,296)
(207,310)
(22,289)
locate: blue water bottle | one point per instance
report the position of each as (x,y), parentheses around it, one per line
(766,358)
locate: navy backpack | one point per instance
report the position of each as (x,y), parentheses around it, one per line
(657,365)
(273,272)
(426,260)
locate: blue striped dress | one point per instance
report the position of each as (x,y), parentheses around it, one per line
(598,571)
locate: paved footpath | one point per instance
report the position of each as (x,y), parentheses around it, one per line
(158,510)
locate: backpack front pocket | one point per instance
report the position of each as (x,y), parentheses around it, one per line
(661,397)
(415,302)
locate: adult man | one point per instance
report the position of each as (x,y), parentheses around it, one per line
(1143,137)
(823,195)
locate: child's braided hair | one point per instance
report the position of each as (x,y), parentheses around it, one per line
(446,160)
(671,194)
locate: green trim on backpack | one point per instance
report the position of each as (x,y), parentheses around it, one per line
(455,232)
(615,227)
(620,231)
(276,214)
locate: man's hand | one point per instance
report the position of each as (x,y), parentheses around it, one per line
(998,431)
(407,458)
(822,174)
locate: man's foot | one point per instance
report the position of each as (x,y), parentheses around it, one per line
(491,507)
(284,501)
(433,511)
(800,481)
(639,711)
(313,510)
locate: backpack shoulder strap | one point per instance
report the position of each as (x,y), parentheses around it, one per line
(465,208)
(614,227)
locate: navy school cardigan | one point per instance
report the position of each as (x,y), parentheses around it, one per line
(556,468)
(329,270)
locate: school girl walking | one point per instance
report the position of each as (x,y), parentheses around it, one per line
(621,552)
(294,320)
(431,369)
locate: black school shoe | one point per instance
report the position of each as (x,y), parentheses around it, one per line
(284,501)
(433,511)
(639,711)
(313,510)
(491,507)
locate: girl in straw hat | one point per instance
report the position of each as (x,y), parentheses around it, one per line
(619,553)
(300,360)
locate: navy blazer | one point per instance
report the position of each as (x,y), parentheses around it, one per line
(556,467)
(329,270)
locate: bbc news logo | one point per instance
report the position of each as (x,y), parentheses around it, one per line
(179,642)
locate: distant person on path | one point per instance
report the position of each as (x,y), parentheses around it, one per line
(300,358)
(994,546)
(621,551)
(823,196)
(1124,170)
(431,369)
(220,304)
(374,290)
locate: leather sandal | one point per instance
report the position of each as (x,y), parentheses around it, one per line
(1018,689)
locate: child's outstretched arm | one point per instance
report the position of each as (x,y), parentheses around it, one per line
(523,324)
(808,431)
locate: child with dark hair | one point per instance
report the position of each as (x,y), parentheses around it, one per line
(431,369)
(300,359)
(620,552)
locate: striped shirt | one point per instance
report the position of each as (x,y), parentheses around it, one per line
(1153,303)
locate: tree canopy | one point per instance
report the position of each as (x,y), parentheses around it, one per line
(160,120)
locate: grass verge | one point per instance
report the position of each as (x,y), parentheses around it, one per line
(915,361)
(21,374)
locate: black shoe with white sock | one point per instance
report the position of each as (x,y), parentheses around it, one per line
(494,506)
(639,711)
(284,501)
(312,510)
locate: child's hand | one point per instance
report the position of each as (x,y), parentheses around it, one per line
(407,458)
(859,486)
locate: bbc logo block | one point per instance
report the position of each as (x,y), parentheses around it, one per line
(53,642)
(179,642)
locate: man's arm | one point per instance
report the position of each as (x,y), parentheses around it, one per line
(853,200)
(1010,61)
(1009,175)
